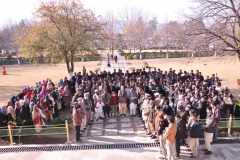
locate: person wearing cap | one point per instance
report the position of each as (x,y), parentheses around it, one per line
(82,112)
(132,102)
(179,134)
(145,109)
(88,104)
(151,119)
(77,122)
(122,95)
(208,130)
(157,99)
(194,129)
(98,104)
(172,97)
(106,103)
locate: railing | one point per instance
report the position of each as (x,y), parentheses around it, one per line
(11,131)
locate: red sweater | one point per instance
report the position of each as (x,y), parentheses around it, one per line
(114,100)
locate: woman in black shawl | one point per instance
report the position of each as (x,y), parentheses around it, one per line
(56,112)
(24,114)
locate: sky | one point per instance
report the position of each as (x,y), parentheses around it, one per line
(15,10)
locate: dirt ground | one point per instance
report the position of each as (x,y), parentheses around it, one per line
(20,76)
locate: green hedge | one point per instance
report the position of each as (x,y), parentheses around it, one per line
(87,57)
(149,55)
(13,61)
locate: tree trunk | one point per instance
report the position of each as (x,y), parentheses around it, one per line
(238,54)
(140,52)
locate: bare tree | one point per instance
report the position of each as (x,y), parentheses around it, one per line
(111,30)
(215,23)
(135,26)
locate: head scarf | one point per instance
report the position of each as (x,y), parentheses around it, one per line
(43,82)
(4,110)
(62,83)
(66,88)
(11,111)
(24,92)
(21,103)
(43,103)
(9,103)
(17,106)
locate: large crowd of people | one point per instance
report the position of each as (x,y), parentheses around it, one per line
(158,97)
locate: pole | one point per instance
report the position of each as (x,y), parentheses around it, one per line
(68,139)
(10,134)
(167,38)
(230,125)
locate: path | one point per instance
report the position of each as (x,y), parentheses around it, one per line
(219,152)
(121,64)
(114,129)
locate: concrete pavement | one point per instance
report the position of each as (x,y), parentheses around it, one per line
(220,152)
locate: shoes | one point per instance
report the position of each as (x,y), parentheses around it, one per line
(89,124)
(153,137)
(100,117)
(157,142)
(150,136)
(92,120)
(188,149)
(80,134)
(193,157)
(208,152)
(97,119)
(120,114)
(85,128)
(134,116)
(86,125)
(124,114)
(204,150)
(82,131)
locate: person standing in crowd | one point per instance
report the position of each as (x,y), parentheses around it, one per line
(151,119)
(106,103)
(162,128)
(114,103)
(179,134)
(88,104)
(193,135)
(37,117)
(122,95)
(183,115)
(208,130)
(170,135)
(216,112)
(83,113)
(77,122)
(66,98)
(98,104)
(132,102)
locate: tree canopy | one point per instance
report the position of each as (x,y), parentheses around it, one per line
(64,29)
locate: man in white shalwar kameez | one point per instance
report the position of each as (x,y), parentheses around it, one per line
(99,104)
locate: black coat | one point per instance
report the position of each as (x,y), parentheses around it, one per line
(179,129)
(194,130)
